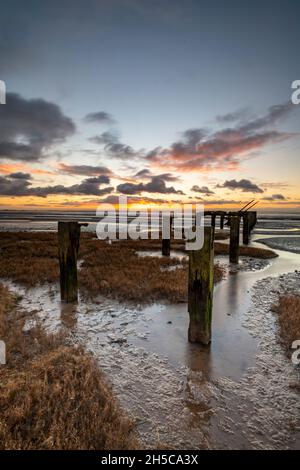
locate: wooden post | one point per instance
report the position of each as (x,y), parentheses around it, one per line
(166,247)
(246,230)
(252,220)
(234,239)
(221,222)
(200,290)
(166,242)
(68,245)
(213,220)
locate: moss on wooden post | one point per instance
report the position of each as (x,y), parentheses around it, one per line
(234,239)
(68,245)
(246,230)
(200,290)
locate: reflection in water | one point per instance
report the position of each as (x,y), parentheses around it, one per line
(233,296)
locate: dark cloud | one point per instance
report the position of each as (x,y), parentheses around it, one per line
(28,128)
(20,176)
(12,186)
(274,114)
(114,148)
(86,170)
(143,174)
(232,117)
(204,190)
(147,174)
(274,197)
(244,185)
(101,117)
(156,185)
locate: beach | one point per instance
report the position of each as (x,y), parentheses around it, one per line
(179,394)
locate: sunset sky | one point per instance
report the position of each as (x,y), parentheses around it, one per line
(165,101)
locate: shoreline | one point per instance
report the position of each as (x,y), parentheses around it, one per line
(290,244)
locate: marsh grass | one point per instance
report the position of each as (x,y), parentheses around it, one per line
(251,251)
(114,269)
(288,310)
(53,396)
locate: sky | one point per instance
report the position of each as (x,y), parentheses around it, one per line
(165,101)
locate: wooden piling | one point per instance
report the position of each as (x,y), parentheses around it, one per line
(234,239)
(252,219)
(68,245)
(213,220)
(166,242)
(166,247)
(200,289)
(246,230)
(222,222)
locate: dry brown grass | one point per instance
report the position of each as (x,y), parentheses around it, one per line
(288,310)
(115,270)
(53,396)
(29,258)
(262,253)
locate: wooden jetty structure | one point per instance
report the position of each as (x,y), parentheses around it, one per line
(201,263)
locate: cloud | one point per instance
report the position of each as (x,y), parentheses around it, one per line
(28,128)
(234,116)
(114,148)
(101,117)
(8,168)
(275,197)
(204,190)
(113,199)
(200,149)
(86,170)
(20,176)
(147,174)
(244,185)
(215,202)
(155,185)
(21,186)
(274,114)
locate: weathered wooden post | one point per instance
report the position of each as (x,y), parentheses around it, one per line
(246,230)
(234,239)
(68,245)
(222,222)
(252,219)
(166,242)
(213,219)
(166,247)
(200,289)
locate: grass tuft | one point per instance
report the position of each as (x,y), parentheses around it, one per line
(288,310)
(53,396)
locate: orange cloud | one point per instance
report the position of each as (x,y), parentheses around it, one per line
(7,168)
